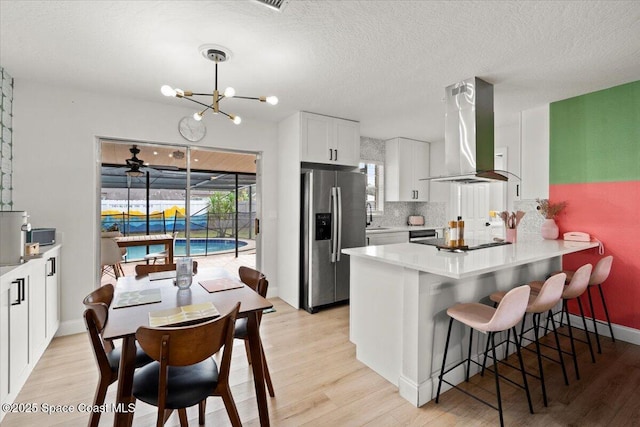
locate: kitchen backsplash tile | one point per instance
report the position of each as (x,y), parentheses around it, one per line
(532,220)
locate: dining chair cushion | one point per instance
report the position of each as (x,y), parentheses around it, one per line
(195,383)
(113,357)
(241,330)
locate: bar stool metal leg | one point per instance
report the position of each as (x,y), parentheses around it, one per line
(495,372)
(524,373)
(536,321)
(586,331)
(555,334)
(593,318)
(606,313)
(469,357)
(573,346)
(444,359)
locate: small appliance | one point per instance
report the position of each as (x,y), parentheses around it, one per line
(43,236)
(415,220)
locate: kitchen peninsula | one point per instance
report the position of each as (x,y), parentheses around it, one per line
(400,293)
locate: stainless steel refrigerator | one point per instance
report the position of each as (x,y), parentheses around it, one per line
(333,217)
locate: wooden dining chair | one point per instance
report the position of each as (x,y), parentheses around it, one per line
(142,269)
(107,357)
(184,372)
(259,283)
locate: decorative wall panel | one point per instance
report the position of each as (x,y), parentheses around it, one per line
(6,142)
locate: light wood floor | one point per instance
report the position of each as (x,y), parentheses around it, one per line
(319,382)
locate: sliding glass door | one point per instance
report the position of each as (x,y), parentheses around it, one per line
(206,198)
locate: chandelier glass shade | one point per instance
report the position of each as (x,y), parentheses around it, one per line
(216,55)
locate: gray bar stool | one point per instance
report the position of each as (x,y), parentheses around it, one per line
(489,320)
(576,287)
(550,294)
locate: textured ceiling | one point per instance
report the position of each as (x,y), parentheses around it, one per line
(384,63)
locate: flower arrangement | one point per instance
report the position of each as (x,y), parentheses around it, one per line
(511,219)
(550,210)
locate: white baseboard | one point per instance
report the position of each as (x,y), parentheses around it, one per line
(622,333)
(71,327)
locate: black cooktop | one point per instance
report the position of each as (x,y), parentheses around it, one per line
(471,245)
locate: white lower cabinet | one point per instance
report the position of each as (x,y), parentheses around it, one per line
(52,292)
(37,310)
(29,318)
(14,332)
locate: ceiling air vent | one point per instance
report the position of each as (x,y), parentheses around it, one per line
(278,5)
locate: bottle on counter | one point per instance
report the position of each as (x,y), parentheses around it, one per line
(453,234)
(460,231)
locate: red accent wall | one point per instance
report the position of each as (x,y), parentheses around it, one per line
(610,212)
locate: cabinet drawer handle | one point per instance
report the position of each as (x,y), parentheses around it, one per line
(330,154)
(20,283)
(336,159)
(417,195)
(52,269)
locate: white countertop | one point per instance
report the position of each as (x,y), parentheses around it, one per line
(43,251)
(376,230)
(471,263)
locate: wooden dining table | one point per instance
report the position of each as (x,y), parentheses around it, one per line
(148,240)
(124,322)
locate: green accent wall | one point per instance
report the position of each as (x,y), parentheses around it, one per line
(596,137)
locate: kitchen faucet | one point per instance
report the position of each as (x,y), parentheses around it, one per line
(370,211)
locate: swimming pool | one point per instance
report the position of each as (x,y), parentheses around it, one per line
(198,247)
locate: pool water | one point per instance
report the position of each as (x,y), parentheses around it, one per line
(198,247)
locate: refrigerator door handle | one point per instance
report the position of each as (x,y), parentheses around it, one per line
(339,227)
(334,231)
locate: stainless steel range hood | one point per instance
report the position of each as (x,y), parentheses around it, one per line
(468,139)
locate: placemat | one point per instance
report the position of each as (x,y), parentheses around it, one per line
(161,275)
(132,298)
(222,284)
(184,314)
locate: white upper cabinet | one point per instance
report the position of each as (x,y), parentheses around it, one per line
(406,163)
(329,140)
(534,152)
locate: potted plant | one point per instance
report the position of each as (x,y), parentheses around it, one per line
(550,210)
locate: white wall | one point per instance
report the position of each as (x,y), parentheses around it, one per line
(56,170)
(289,213)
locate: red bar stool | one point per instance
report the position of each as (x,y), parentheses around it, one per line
(489,320)
(576,287)
(598,277)
(550,294)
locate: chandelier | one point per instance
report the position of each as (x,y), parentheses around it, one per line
(216,54)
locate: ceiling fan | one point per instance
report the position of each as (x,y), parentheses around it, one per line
(134,162)
(137,165)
